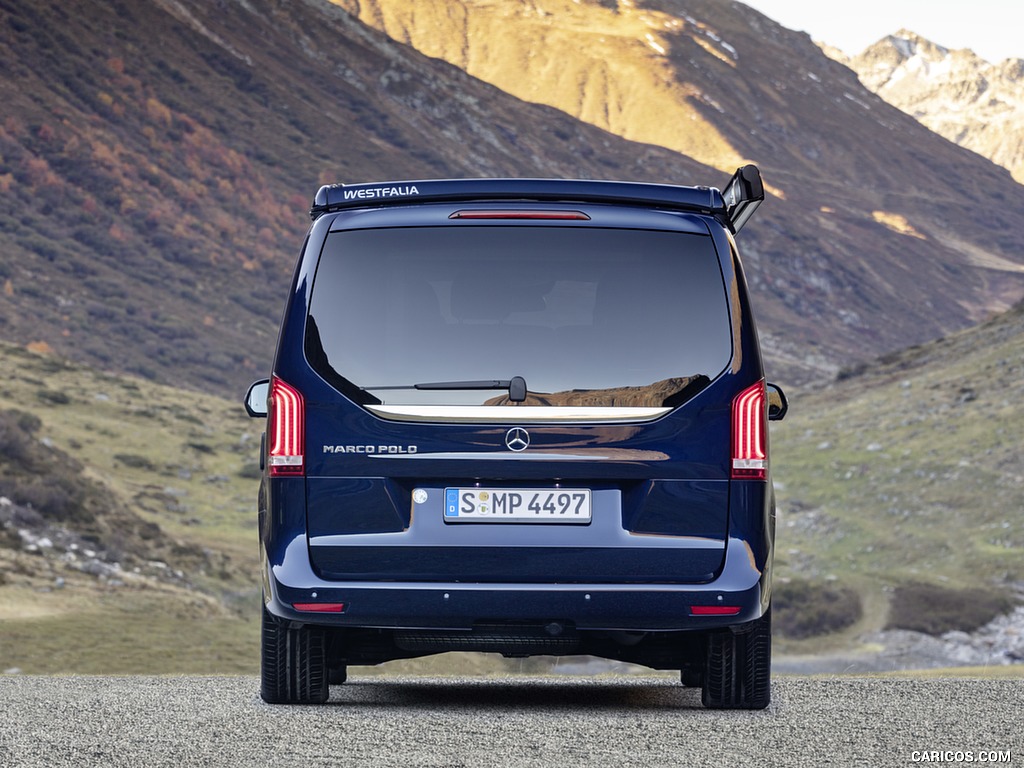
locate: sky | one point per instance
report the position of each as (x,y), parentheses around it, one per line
(990,28)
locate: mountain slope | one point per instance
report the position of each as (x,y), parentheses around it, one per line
(865,243)
(907,471)
(157,160)
(956,93)
(127,540)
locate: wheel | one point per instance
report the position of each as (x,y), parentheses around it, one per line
(293,667)
(737,672)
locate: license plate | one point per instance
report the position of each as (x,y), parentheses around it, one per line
(517,505)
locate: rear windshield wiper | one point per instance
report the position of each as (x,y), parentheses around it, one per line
(516,386)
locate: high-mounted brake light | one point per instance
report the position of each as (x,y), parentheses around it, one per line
(749,434)
(286,430)
(521,214)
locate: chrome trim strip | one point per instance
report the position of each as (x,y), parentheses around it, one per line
(495,456)
(519,414)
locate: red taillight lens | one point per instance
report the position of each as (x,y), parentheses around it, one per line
(286,430)
(749,434)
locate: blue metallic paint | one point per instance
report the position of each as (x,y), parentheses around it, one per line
(289,576)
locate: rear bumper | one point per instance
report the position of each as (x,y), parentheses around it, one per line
(743,582)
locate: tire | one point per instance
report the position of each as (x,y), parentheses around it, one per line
(737,672)
(293,667)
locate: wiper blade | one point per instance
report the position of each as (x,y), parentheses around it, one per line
(516,386)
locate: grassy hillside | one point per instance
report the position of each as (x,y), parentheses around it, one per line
(127,534)
(149,562)
(904,478)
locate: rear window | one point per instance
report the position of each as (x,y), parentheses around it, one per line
(586,316)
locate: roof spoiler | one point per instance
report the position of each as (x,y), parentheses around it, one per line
(732,207)
(337,197)
(742,195)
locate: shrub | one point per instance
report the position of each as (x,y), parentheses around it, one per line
(134,461)
(53,396)
(250,471)
(936,610)
(16,430)
(803,609)
(45,479)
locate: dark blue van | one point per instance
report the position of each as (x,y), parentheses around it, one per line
(519,416)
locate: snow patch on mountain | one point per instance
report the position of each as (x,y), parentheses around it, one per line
(956,93)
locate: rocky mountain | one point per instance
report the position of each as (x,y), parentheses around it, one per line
(959,95)
(157,158)
(861,207)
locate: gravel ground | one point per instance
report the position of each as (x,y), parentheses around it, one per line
(518,721)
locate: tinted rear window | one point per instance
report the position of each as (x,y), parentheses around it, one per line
(587,316)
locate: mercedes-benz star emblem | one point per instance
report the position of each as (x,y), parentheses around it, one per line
(517,439)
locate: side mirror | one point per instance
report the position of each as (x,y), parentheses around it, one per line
(778,405)
(256,398)
(742,195)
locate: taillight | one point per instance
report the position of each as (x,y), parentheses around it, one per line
(286,430)
(749,434)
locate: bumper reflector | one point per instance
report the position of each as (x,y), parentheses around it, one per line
(319,607)
(714,610)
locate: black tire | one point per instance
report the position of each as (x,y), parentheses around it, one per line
(737,672)
(293,667)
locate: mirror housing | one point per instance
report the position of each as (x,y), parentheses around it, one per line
(743,194)
(256,398)
(778,404)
